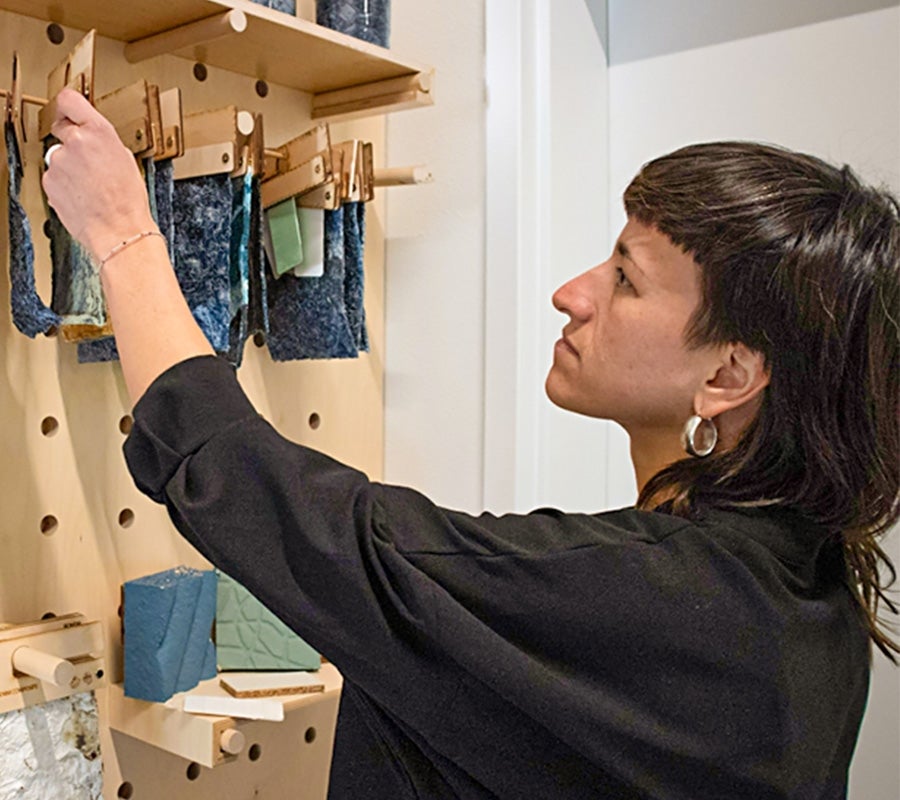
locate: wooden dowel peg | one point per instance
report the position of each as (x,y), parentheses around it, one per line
(403,176)
(232,742)
(27,98)
(245,123)
(194,33)
(276,154)
(43,666)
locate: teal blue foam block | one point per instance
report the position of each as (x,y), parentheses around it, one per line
(168,619)
(250,637)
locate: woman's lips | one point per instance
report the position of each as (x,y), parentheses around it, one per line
(565,346)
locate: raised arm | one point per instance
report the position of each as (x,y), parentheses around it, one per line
(95,187)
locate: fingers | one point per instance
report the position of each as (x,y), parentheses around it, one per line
(71,112)
(71,105)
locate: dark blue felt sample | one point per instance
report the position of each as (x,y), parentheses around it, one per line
(29,313)
(202,214)
(354,245)
(288,6)
(369,20)
(307,316)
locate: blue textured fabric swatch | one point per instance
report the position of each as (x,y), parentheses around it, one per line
(159,178)
(203,208)
(354,245)
(29,313)
(307,316)
(369,20)
(167,618)
(239,273)
(288,6)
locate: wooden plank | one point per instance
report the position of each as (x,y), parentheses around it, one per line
(275,46)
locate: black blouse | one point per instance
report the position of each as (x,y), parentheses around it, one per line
(622,655)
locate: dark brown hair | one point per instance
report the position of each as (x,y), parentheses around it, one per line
(801,262)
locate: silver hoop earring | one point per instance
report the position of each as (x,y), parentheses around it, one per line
(699,436)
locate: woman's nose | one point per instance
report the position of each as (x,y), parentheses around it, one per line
(574,296)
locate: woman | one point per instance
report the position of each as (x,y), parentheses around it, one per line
(711,643)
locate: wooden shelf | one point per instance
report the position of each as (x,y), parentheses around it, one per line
(275,46)
(197,737)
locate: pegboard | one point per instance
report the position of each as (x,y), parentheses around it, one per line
(73,526)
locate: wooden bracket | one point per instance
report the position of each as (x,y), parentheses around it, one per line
(394,94)
(299,167)
(184,36)
(171,142)
(214,142)
(134,112)
(49,659)
(75,71)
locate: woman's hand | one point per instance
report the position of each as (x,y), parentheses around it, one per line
(93,182)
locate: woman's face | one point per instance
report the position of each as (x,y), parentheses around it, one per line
(622,355)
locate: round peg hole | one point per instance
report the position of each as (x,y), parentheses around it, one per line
(262,88)
(254,752)
(259,339)
(310,735)
(126,791)
(46,228)
(48,615)
(49,426)
(126,424)
(193,771)
(200,72)
(55,33)
(314,421)
(126,518)
(49,524)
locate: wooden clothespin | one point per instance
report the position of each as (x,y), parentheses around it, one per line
(13,114)
(75,71)
(134,112)
(215,142)
(300,167)
(171,139)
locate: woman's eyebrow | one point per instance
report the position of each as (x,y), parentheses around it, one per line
(622,250)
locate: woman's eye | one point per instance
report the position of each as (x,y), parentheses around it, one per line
(621,278)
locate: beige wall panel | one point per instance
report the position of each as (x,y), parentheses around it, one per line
(77,474)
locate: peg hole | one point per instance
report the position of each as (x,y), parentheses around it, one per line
(55,33)
(126,518)
(49,524)
(49,426)
(200,72)
(46,228)
(314,421)
(254,752)
(259,339)
(48,615)
(262,88)
(126,424)
(310,735)
(193,771)
(126,791)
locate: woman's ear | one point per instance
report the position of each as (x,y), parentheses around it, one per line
(740,376)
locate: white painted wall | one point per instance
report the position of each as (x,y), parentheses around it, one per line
(434,362)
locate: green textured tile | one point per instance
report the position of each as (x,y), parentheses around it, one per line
(249,636)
